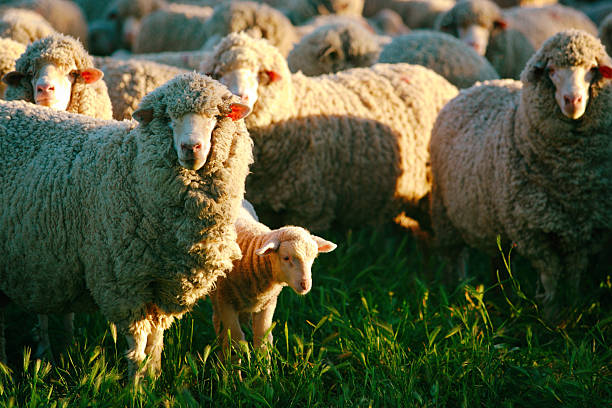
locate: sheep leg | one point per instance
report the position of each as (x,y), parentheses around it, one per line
(155,345)
(137,336)
(262,322)
(2,338)
(44,342)
(230,322)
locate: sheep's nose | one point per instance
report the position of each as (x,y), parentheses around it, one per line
(572,100)
(44,88)
(245,98)
(187,147)
(305,284)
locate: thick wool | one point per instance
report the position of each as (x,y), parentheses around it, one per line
(129,81)
(255,19)
(349,148)
(524,3)
(506,161)
(9,53)
(526,29)
(61,50)
(108,219)
(174,27)
(443,53)
(605,33)
(334,48)
(300,11)
(189,60)
(415,13)
(24,26)
(64,16)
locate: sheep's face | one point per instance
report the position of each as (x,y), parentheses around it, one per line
(475,36)
(243,83)
(192,134)
(293,251)
(572,87)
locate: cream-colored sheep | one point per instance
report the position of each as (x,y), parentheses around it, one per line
(24,26)
(9,52)
(271,260)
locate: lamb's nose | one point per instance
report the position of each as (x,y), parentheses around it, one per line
(44,88)
(304,284)
(572,100)
(187,147)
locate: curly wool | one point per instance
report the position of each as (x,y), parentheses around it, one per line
(443,53)
(538,179)
(62,51)
(333,48)
(108,218)
(9,53)
(348,148)
(129,81)
(23,26)
(300,11)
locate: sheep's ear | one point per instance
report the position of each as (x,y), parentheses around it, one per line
(13,78)
(500,23)
(606,71)
(143,115)
(269,246)
(323,245)
(239,111)
(91,75)
(273,76)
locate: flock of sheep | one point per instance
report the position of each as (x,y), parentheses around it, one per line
(141,142)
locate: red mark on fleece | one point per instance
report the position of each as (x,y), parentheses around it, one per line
(406,80)
(606,71)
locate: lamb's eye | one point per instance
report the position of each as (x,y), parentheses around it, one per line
(286,258)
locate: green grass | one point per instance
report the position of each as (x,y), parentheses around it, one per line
(379,329)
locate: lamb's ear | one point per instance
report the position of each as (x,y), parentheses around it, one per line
(273,76)
(605,67)
(143,115)
(91,75)
(269,246)
(500,23)
(13,78)
(323,245)
(239,111)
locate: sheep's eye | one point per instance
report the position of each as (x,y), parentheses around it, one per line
(594,68)
(286,258)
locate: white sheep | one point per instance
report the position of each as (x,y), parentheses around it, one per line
(530,161)
(136,219)
(349,147)
(271,260)
(24,26)
(9,52)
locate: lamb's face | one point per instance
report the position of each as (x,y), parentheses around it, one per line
(475,36)
(244,83)
(192,134)
(572,87)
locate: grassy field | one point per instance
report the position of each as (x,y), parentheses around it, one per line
(378,329)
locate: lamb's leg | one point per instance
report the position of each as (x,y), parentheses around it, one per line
(262,332)
(155,345)
(137,335)
(230,322)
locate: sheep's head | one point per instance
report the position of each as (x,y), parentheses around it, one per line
(346,7)
(472,21)
(252,69)
(570,62)
(292,251)
(193,108)
(51,66)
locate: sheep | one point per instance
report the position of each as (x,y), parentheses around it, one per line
(9,52)
(172,28)
(189,60)
(354,144)
(57,72)
(133,218)
(415,13)
(24,26)
(605,33)
(257,20)
(443,53)
(508,38)
(63,15)
(524,3)
(129,81)
(333,48)
(271,260)
(530,161)
(388,22)
(300,11)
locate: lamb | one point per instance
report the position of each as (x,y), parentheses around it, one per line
(57,72)
(605,33)
(530,161)
(9,52)
(354,144)
(333,48)
(454,60)
(271,260)
(508,38)
(64,16)
(130,80)
(136,219)
(24,26)
(300,11)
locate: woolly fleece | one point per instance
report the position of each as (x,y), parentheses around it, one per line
(348,148)
(23,26)
(61,50)
(605,33)
(9,52)
(443,53)
(506,161)
(300,11)
(107,217)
